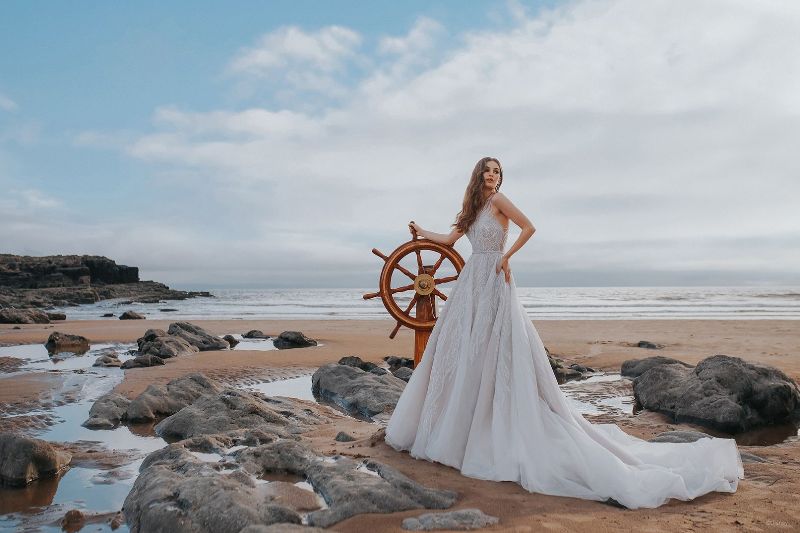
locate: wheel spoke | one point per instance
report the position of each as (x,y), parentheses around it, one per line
(419,261)
(448,279)
(437,265)
(405,271)
(404,288)
(440,294)
(411,303)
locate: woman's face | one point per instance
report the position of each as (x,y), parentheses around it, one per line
(491,175)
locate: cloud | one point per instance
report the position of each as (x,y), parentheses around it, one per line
(7,104)
(645,138)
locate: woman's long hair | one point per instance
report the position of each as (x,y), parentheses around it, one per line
(473,196)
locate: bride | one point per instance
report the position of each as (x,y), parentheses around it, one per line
(484,399)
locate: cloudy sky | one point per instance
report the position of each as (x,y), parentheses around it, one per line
(273,144)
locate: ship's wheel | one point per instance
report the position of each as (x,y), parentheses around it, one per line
(397,280)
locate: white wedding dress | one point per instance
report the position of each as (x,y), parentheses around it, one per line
(484,400)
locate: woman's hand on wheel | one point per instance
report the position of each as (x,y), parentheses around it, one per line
(503,265)
(414,227)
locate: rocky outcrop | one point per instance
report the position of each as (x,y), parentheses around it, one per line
(161,344)
(292,339)
(108,360)
(355,361)
(233,409)
(197,336)
(355,390)
(349,487)
(23,460)
(636,367)
(65,342)
(164,400)
(403,373)
(23,316)
(56,316)
(131,315)
(463,519)
(395,362)
(156,400)
(722,392)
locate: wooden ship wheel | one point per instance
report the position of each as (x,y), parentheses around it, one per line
(424,283)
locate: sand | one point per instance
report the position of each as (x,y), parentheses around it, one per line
(765,500)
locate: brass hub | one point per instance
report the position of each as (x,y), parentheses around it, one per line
(424,284)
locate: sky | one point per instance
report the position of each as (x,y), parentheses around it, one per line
(274,144)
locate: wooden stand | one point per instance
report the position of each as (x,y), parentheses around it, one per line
(426,310)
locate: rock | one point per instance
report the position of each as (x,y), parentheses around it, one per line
(751,458)
(356,390)
(74,520)
(131,315)
(64,342)
(161,400)
(168,310)
(679,436)
(107,361)
(197,336)
(107,315)
(582,369)
(23,460)
(636,367)
(142,361)
(255,334)
(56,316)
(396,362)
(355,361)
(231,340)
(403,373)
(282,528)
(107,411)
(177,492)
(292,339)
(23,316)
(344,437)
(159,343)
(566,374)
(291,496)
(346,485)
(378,371)
(649,345)
(233,409)
(461,520)
(722,392)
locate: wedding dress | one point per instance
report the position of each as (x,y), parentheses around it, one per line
(484,400)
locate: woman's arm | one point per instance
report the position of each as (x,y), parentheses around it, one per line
(442,238)
(518,217)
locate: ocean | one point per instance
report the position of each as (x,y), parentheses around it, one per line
(540,303)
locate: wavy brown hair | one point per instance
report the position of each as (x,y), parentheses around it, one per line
(473,196)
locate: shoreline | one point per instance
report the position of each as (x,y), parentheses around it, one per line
(764,500)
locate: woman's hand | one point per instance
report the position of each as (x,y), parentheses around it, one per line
(503,265)
(413,226)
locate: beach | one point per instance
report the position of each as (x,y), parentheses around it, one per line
(763,502)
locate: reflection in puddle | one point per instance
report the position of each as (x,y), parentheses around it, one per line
(252,344)
(299,388)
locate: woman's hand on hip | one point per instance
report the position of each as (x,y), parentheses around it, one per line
(503,265)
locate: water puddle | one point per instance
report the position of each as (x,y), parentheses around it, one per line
(252,344)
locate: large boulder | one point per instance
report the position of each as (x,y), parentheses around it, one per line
(107,412)
(161,344)
(292,339)
(176,492)
(23,460)
(355,390)
(163,400)
(233,409)
(65,342)
(722,392)
(142,361)
(636,367)
(23,316)
(197,336)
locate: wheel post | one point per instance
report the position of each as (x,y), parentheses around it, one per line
(425,311)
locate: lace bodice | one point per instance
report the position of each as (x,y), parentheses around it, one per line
(486,234)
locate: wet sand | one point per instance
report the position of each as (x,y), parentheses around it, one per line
(765,500)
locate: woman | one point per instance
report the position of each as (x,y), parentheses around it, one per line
(484,399)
